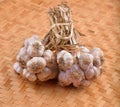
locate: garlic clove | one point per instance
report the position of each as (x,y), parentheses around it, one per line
(85,61)
(18,69)
(36,64)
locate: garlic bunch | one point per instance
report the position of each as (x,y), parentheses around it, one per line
(59,55)
(77,67)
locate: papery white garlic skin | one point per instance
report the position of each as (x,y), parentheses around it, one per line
(65,61)
(85,61)
(17,68)
(46,74)
(64,78)
(36,49)
(22,57)
(84,49)
(36,64)
(29,76)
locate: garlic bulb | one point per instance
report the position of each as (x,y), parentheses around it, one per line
(64,60)
(77,75)
(85,61)
(36,64)
(84,49)
(96,71)
(48,54)
(17,68)
(36,49)
(29,76)
(89,73)
(29,41)
(60,55)
(22,57)
(73,75)
(49,57)
(46,74)
(64,78)
(98,56)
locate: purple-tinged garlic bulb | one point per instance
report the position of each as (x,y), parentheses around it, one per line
(74,76)
(85,61)
(64,60)
(77,75)
(97,71)
(64,78)
(29,76)
(29,41)
(89,73)
(50,58)
(22,57)
(98,56)
(18,69)
(83,49)
(36,49)
(47,74)
(36,64)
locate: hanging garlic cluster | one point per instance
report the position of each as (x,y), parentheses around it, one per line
(59,55)
(33,61)
(80,69)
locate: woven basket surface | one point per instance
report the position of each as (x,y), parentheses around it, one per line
(99,20)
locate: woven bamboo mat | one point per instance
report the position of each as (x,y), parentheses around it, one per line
(98,20)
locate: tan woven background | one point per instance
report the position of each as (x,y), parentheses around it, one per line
(98,19)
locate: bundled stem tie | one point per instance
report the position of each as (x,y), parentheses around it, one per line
(58,55)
